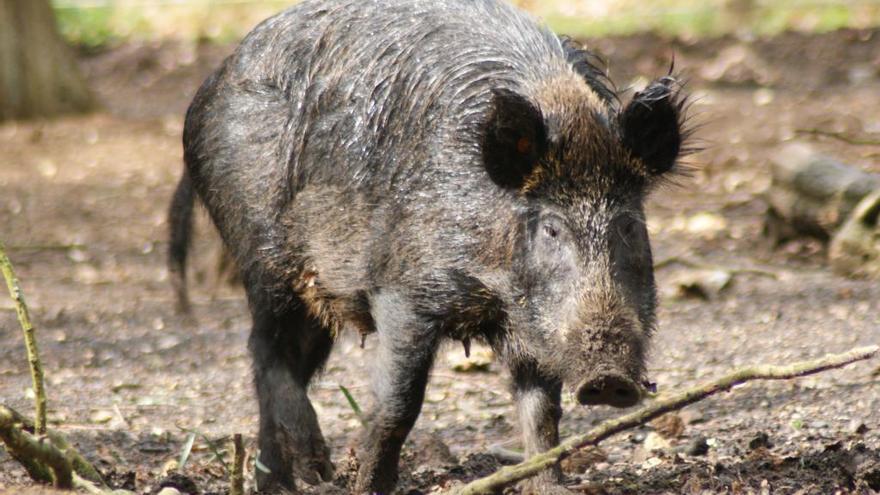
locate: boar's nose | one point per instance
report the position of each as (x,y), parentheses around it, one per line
(608,389)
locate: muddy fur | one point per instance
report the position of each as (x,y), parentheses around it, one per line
(427,170)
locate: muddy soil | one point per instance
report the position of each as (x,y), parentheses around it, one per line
(82,210)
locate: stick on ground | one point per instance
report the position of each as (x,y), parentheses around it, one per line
(236,479)
(534,465)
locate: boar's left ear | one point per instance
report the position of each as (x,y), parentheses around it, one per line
(513,138)
(651,125)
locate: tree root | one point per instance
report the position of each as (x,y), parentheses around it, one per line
(534,465)
(42,460)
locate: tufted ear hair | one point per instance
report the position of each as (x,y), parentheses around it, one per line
(514,138)
(651,125)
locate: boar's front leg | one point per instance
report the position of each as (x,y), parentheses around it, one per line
(538,407)
(407,344)
(288,347)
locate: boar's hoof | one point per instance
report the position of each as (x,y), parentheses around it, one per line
(608,390)
(544,487)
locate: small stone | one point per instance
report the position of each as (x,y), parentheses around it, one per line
(480,360)
(159,324)
(669,425)
(637,437)
(857,427)
(697,447)
(169,491)
(101,416)
(582,459)
(763,97)
(654,441)
(169,467)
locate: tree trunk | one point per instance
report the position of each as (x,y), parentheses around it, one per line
(812,195)
(39,76)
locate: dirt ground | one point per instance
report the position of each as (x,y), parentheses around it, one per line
(82,211)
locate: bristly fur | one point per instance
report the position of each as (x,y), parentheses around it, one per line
(427,170)
(592,68)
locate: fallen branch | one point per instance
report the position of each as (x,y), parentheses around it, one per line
(30,342)
(44,247)
(672,260)
(840,137)
(534,465)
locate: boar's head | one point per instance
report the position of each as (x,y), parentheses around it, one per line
(581,167)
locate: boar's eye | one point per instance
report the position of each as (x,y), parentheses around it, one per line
(552,248)
(553,230)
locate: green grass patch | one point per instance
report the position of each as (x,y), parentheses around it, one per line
(89,28)
(93,26)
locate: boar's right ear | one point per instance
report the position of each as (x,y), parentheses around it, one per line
(651,125)
(513,138)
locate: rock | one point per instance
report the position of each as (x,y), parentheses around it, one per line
(479,360)
(857,427)
(701,284)
(652,463)
(669,425)
(637,437)
(582,459)
(697,446)
(654,442)
(855,248)
(738,65)
(179,483)
(101,416)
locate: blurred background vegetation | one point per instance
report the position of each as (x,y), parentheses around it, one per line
(97,23)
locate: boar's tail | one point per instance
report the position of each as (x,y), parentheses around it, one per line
(180,222)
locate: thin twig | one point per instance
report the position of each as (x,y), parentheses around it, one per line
(30,342)
(236,480)
(542,461)
(839,136)
(708,266)
(44,247)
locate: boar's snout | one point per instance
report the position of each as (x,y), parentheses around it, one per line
(608,389)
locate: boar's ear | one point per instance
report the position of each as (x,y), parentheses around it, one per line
(513,138)
(651,125)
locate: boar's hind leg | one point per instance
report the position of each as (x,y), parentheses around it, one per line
(288,347)
(539,410)
(404,356)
